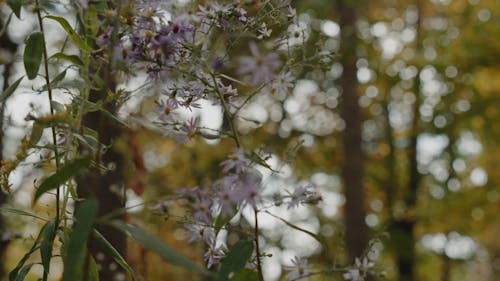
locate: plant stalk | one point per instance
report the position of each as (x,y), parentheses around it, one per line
(49,91)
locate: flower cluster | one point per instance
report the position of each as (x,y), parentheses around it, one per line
(147,41)
(222,15)
(239,188)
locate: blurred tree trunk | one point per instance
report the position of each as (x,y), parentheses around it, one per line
(10,48)
(353,160)
(106,181)
(108,186)
(405,225)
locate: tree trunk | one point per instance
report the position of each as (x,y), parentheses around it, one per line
(353,162)
(107,186)
(406,225)
(11,48)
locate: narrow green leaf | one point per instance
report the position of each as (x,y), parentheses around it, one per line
(113,118)
(64,236)
(71,33)
(235,261)
(33,54)
(85,105)
(15,5)
(23,272)
(93,273)
(54,81)
(90,141)
(63,175)
(19,212)
(74,59)
(111,251)
(74,260)
(318,238)
(14,274)
(10,90)
(220,221)
(257,159)
(156,245)
(48,234)
(36,133)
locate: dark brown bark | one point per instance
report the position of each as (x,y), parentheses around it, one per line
(7,45)
(353,162)
(406,225)
(108,185)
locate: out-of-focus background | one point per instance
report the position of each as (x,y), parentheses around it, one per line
(427,75)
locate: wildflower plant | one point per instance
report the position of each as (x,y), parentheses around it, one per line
(223,52)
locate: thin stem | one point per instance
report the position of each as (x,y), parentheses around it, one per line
(49,90)
(257,248)
(238,144)
(227,113)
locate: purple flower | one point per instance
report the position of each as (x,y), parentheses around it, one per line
(247,190)
(299,195)
(236,161)
(299,268)
(292,14)
(166,109)
(225,200)
(198,232)
(283,82)
(188,130)
(260,66)
(179,29)
(202,210)
(104,38)
(241,13)
(264,32)
(213,255)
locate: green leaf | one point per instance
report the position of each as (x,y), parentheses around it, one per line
(318,238)
(54,81)
(74,59)
(64,236)
(36,133)
(74,261)
(235,261)
(85,105)
(220,221)
(113,118)
(111,251)
(10,90)
(63,175)
(156,245)
(93,273)
(19,212)
(48,234)
(17,271)
(246,275)
(71,33)
(15,5)
(33,54)
(257,159)
(23,272)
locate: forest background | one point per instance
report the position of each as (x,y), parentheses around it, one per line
(389,124)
